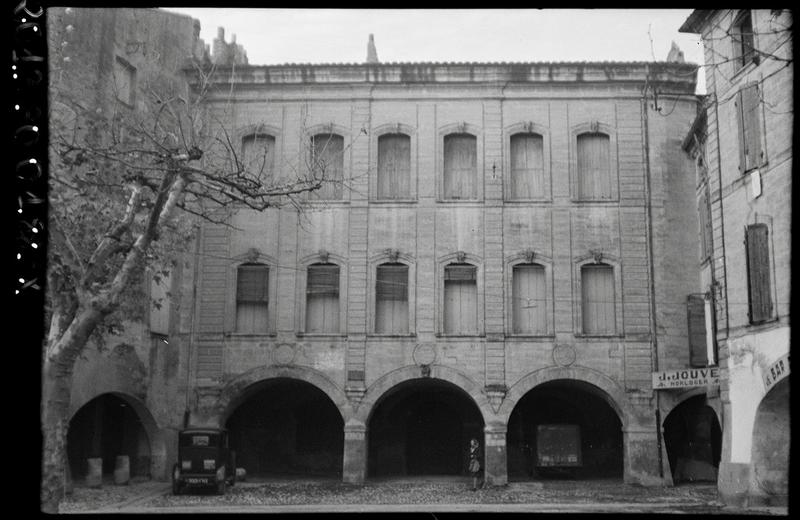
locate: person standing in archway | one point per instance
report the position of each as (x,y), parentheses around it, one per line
(474,462)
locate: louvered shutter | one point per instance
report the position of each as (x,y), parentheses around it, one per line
(258,154)
(527,166)
(696,317)
(757,245)
(460,300)
(322,298)
(160,303)
(391,299)
(328,165)
(751,123)
(460,166)
(594,166)
(529,308)
(705,226)
(394,166)
(252,298)
(598,304)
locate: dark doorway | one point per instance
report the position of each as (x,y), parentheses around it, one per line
(107,427)
(770,452)
(693,440)
(422,427)
(287,427)
(576,407)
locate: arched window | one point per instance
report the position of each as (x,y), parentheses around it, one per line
(594,166)
(527,166)
(460,166)
(252,298)
(529,299)
(598,299)
(391,299)
(327,165)
(258,154)
(394,166)
(322,298)
(460,299)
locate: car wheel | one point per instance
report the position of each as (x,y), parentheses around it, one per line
(176,480)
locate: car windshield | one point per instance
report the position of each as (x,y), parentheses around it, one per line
(199,439)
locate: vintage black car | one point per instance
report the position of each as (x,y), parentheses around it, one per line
(204,461)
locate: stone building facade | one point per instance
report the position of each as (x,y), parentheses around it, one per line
(742,144)
(507,250)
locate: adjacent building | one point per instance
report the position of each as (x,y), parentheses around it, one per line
(742,145)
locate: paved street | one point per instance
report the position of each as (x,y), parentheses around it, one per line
(435,494)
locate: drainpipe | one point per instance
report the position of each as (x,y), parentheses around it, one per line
(650,265)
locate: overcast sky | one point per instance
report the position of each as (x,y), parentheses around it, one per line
(272,36)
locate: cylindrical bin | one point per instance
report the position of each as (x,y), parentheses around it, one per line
(122,470)
(241,474)
(94,474)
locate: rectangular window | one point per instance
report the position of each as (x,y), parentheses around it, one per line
(327,165)
(529,306)
(594,166)
(460,300)
(124,81)
(760,295)
(743,43)
(460,167)
(322,299)
(704,208)
(258,154)
(391,299)
(252,298)
(527,166)
(748,112)
(597,285)
(160,284)
(696,316)
(394,166)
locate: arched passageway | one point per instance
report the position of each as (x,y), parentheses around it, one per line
(693,439)
(564,428)
(771,440)
(286,427)
(107,427)
(422,427)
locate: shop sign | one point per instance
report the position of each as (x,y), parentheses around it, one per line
(776,371)
(685,378)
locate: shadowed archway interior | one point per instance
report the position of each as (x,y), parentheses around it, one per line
(287,427)
(693,439)
(422,427)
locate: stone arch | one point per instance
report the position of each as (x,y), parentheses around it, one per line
(155,434)
(669,404)
(609,390)
(236,391)
(408,373)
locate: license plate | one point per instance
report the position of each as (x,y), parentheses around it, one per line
(197,481)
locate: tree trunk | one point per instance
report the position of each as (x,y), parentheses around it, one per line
(57,379)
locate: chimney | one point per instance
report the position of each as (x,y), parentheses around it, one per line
(675,54)
(372,54)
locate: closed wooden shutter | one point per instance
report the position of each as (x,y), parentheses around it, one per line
(391,299)
(705,226)
(527,166)
(328,165)
(757,245)
(394,166)
(594,166)
(597,285)
(322,298)
(460,166)
(252,298)
(696,317)
(751,124)
(460,300)
(160,305)
(529,305)
(258,154)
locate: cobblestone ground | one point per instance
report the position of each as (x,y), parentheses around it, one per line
(156,495)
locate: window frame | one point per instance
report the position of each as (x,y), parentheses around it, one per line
(301,304)
(169,297)
(375,262)
(122,64)
(269,303)
(442,264)
(577,296)
(460,128)
(740,60)
(253,256)
(537,260)
(306,159)
(377,133)
(772,313)
(590,128)
(255,135)
(528,128)
(742,129)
